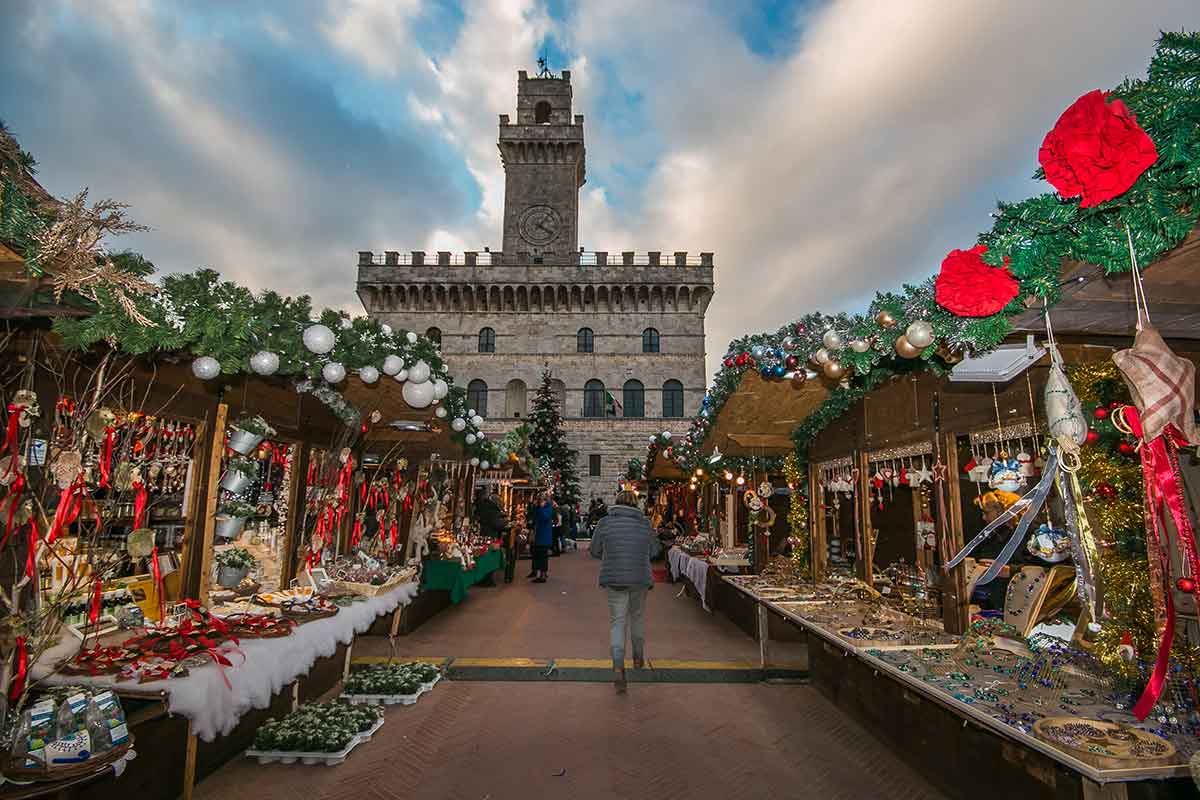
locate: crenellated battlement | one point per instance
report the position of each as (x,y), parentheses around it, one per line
(488,258)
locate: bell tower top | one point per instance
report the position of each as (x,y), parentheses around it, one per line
(543,157)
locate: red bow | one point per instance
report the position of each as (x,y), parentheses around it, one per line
(106,458)
(18,686)
(69,503)
(140,498)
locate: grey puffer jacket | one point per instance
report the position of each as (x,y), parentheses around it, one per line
(626,543)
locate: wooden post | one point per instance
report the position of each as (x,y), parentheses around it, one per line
(191,556)
(189,763)
(955,601)
(817,535)
(215,451)
(864,566)
(293,525)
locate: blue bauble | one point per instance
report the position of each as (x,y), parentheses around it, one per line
(779,371)
(767,372)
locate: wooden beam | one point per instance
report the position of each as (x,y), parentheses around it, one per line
(293,526)
(189,557)
(955,600)
(817,536)
(189,764)
(216,450)
(864,564)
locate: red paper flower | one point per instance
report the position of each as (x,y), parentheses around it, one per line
(968,287)
(1096,150)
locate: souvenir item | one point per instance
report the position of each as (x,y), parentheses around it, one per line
(1049,544)
(1005,474)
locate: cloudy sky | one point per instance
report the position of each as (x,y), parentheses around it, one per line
(821,149)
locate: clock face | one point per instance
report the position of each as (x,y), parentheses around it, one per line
(539,225)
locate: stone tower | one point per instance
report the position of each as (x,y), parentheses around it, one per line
(543,159)
(621,333)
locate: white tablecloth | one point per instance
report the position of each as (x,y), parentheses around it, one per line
(695,569)
(264,667)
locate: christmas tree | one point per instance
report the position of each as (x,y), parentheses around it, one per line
(548,444)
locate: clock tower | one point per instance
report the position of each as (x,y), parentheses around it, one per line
(543,158)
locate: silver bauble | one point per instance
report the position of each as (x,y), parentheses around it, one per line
(411,337)
(206,368)
(418,372)
(264,362)
(368,374)
(821,356)
(333,372)
(832,340)
(392,364)
(440,388)
(477,421)
(440,413)
(318,339)
(418,395)
(919,334)
(484,465)
(458,424)
(470,438)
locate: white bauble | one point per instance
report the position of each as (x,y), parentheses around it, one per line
(440,413)
(832,340)
(477,421)
(419,372)
(418,395)
(458,424)
(318,339)
(346,324)
(484,465)
(411,337)
(666,435)
(333,372)
(368,374)
(392,364)
(920,334)
(653,438)
(401,376)
(470,438)
(206,368)
(474,462)
(821,356)
(440,388)
(264,362)
(385,329)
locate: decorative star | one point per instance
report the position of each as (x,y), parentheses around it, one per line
(917,477)
(939,472)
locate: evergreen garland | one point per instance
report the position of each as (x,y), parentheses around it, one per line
(548,444)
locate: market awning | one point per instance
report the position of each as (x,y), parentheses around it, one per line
(758,418)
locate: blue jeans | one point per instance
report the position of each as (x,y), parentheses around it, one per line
(627,608)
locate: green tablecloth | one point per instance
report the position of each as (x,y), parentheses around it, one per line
(450,575)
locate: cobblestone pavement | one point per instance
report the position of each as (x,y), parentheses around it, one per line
(493,741)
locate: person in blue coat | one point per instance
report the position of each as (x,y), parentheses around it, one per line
(543,536)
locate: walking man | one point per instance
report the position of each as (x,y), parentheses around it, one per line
(625,542)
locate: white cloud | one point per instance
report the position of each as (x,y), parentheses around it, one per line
(375,33)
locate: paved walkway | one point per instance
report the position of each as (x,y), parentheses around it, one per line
(495,741)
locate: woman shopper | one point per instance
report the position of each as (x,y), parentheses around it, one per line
(543,537)
(626,543)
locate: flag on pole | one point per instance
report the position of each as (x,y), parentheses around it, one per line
(611,407)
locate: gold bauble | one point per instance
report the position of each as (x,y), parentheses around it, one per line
(834,370)
(885,320)
(905,349)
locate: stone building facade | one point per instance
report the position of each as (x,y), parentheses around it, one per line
(621,333)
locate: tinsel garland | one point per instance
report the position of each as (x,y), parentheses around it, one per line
(798,514)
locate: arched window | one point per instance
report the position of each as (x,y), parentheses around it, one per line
(584,340)
(593,398)
(559,389)
(672,399)
(487,341)
(477,397)
(650,340)
(634,399)
(514,398)
(434,335)
(541,113)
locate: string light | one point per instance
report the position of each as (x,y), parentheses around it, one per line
(741,480)
(728,475)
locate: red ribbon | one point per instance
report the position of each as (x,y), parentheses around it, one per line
(31,559)
(10,437)
(94,611)
(356,533)
(158,584)
(106,458)
(18,686)
(69,503)
(1160,475)
(140,497)
(18,488)
(395,534)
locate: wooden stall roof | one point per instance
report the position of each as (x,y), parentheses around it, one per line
(386,397)
(664,469)
(758,418)
(1096,304)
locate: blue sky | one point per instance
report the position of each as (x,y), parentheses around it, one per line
(822,149)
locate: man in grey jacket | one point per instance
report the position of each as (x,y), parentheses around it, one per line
(626,543)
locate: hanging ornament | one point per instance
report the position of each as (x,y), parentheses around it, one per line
(833,340)
(477,421)
(206,368)
(440,413)
(346,324)
(729,363)
(318,339)
(860,345)
(741,359)
(418,373)
(385,329)
(392,364)
(333,372)
(1126,449)
(411,337)
(474,462)
(821,356)
(418,395)
(779,371)
(401,376)
(458,424)
(920,334)
(264,362)
(440,389)
(833,370)
(368,374)
(470,438)
(1100,413)
(905,349)
(1091,437)
(791,362)
(885,320)
(653,438)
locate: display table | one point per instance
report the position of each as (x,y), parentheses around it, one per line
(694,569)
(452,577)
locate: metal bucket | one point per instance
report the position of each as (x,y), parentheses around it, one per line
(236,482)
(230,577)
(228,527)
(243,442)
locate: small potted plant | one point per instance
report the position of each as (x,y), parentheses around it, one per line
(240,473)
(247,433)
(233,565)
(231,518)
